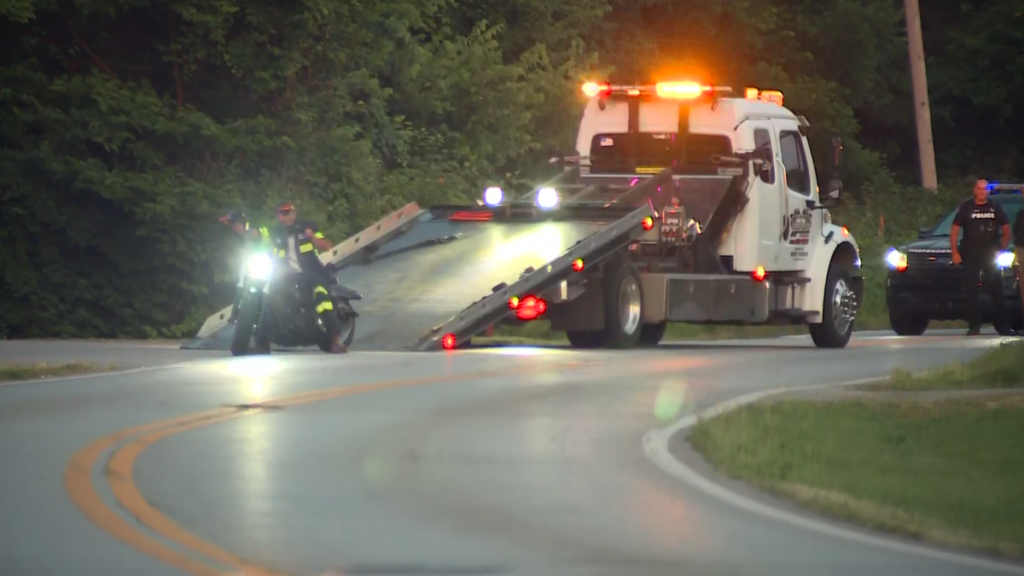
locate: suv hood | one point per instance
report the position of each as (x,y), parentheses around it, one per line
(934,245)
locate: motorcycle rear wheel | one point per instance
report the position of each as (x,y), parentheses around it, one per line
(347,320)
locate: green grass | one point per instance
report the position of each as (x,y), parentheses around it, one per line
(1002,367)
(948,472)
(14,372)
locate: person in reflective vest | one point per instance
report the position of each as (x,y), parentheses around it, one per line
(254,239)
(296,245)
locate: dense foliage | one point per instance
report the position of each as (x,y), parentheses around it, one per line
(128,126)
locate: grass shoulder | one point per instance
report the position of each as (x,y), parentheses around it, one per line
(1002,367)
(945,469)
(12,372)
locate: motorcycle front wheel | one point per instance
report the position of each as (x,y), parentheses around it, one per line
(244,328)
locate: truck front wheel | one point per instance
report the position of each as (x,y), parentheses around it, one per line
(839,310)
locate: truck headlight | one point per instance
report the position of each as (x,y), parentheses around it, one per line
(1005,259)
(259,266)
(896,260)
(547,198)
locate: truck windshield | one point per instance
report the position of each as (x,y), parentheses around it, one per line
(624,153)
(698,195)
(1011,205)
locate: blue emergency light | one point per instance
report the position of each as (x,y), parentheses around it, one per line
(997,188)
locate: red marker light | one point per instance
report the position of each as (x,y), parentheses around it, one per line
(530,307)
(647,223)
(759,274)
(577,265)
(448,342)
(846,231)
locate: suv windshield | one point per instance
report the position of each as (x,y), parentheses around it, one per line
(1011,205)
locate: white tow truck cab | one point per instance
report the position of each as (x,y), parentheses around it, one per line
(739,233)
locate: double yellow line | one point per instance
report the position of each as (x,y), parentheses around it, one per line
(119,475)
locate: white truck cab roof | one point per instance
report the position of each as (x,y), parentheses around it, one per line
(655,111)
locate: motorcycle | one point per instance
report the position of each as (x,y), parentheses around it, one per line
(274,309)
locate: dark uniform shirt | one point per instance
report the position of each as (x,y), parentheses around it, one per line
(982,228)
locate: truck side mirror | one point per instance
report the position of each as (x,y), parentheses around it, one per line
(835,182)
(924,231)
(834,192)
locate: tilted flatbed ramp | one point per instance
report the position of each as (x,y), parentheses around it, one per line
(438,276)
(409,293)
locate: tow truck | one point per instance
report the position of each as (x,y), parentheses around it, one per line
(683,202)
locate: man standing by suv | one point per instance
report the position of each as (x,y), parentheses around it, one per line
(986,231)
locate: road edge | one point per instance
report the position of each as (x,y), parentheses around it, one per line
(656,448)
(107,373)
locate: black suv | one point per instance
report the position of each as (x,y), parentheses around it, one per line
(924,285)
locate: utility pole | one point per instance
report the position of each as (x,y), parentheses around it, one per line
(922,112)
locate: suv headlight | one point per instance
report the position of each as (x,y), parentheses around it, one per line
(896,260)
(259,266)
(1005,259)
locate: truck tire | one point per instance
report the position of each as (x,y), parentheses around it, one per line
(623,305)
(585,339)
(906,324)
(245,325)
(651,334)
(835,330)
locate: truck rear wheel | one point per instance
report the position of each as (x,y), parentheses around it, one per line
(906,324)
(623,305)
(651,334)
(838,310)
(585,339)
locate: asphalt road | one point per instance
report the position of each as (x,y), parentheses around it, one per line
(512,461)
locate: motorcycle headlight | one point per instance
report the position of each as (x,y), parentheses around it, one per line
(259,266)
(1005,259)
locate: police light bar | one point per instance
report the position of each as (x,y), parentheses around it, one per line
(684,90)
(1012,188)
(770,96)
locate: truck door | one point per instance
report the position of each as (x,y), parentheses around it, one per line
(799,223)
(768,195)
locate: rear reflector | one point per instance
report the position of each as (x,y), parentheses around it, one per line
(469,216)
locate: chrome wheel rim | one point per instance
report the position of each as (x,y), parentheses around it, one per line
(629,305)
(844,306)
